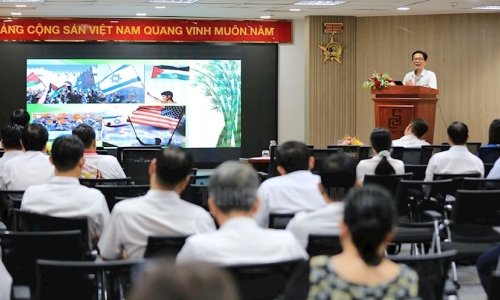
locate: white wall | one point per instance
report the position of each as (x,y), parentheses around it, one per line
(291,85)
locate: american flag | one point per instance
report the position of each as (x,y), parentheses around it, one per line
(158,116)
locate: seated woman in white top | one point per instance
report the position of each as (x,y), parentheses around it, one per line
(382,163)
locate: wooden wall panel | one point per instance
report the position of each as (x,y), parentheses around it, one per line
(464,52)
(330,87)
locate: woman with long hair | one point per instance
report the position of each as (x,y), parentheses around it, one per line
(381,163)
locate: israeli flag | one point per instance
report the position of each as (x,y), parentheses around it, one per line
(120,78)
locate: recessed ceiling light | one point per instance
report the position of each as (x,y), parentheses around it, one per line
(20,5)
(173,1)
(160,7)
(319,2)
(141,14)
(403,8)
(490,7)
(265,17)
(16,13)
(21,1)
(294,9)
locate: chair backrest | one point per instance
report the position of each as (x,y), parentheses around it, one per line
(135,163)
(117,193)
(119,150)
(272,170)
(411,156)
(426,152)
(323,245)
(432,269)
(319,155)
(102,152)
(489,154)
(279,221)
(198,195)
(417,170)
(33,222)
(476,208)
(458,179)
(397,152)
(70,279)
(263,281)
(20,250)
(2,152)
(10,196)
(164,246)
(92,182)
(471,183)
(487,169)
(473,147)
(390,182)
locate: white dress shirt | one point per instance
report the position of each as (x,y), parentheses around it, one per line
(426,78)
(156,213)
(107,166)
(457,160)
(368,166)
(409,141)
(5,283)
(290,193)
(240,241)
(322,221)
(65,197)
(8,156)
(27,169)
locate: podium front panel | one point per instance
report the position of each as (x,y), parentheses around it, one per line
(394,117)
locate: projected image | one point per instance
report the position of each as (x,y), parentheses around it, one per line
(139,102)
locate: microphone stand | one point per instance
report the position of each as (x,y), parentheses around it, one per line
(176,127)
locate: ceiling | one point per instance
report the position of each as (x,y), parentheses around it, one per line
(238,9)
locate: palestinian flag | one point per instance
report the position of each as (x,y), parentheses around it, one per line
(32,80)
(170,72)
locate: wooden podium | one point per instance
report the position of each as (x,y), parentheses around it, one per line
(396,106)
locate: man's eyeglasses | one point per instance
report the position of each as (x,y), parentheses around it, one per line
(418,58)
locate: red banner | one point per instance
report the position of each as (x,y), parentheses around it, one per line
(146,30)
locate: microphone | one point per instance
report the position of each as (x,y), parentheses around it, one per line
(176,127)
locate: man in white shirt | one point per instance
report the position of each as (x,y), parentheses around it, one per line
(338,175)
(160,212)
(5,282)
(457,160)
(297,187)
(420,76)
(11,143)
(413,135)
(32,167)
(96,166)
(63,195)
(239,241)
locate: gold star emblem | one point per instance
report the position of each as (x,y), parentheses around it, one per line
(332,50)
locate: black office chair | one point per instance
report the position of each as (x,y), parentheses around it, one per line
(164,246)
(198,195)
(411,156)
(117,193)
(390,182)
(432,270)
(458,179)
(92,182)
(263,281)
(272,170)
(426,152)
(20,250)
(102,152)
(323,245)
(12,198)
(473,147)
(78,280)
(279,221)
(470,183)
(489,155)
(319,155)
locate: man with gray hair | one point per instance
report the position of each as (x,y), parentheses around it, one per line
(233,202)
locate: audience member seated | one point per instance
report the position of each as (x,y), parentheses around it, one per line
(32,167)
(239,241)
(20,117)
(326,220)
(381,163)
(63,196)
(297,187)
(160,212)
(11,143)
(362,271)
(96,166)
(413,135)
(485,264)
(457,160)
(162,280)
(494,134)
(5,282)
